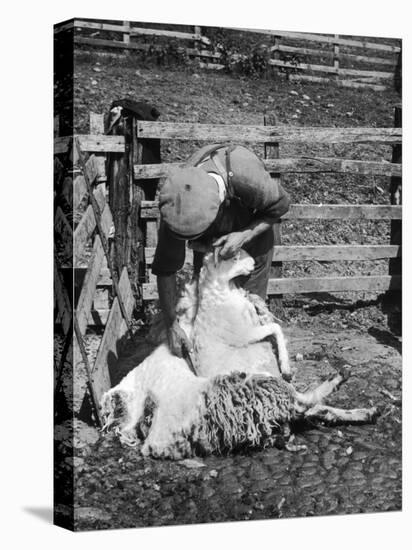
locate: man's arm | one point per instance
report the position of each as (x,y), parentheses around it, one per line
(232,242)
(176,337)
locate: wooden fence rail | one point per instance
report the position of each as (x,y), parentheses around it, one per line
(265,134)
(291,165)
(285,54)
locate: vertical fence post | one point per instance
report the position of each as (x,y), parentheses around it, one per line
(145,151)
(336,58)
(96,128)
(197,44)
(118,185)
(126,33)
(271,150)
(392,300)
(276,55)
(395,264)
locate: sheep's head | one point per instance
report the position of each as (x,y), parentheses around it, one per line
(226,270)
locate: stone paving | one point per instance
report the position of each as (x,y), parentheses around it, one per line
(345,469)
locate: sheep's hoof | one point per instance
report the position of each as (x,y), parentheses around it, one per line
(293,447)
(287,376)
(374,413)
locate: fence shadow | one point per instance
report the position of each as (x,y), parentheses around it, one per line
(386,338)
(328,304)
(130,352)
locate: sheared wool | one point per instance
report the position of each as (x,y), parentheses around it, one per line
(238,400)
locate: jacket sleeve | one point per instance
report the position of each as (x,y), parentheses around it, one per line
(170,253)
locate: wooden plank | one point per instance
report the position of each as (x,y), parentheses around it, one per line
(351,84)
(95,143)
(324,253)
(79,191)
(122,28)
(316,211)
(329,69)
(115,329)
(290,165)
(104,42)
(329,54)
(63,236)
(343,212)
(327,39)
(60,27)
(333,284)
(87,225)
(339,82)
(151,233)
(79,24)
(61,226)
(328,253)
(96,163)
(216,133)
(126,34)
(62,299)
(85,301)
(310,285)
(172,34)
(119,44)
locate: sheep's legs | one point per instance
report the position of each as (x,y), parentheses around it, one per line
(257,334)
(334,415)
(313,397)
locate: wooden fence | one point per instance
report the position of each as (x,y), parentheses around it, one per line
(84,227)
(290,54)
(349,62)
(272,137)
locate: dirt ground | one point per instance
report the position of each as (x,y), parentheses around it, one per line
(346,469)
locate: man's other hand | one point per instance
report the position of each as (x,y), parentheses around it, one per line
(230,243)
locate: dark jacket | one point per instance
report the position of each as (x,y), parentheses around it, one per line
(255,196)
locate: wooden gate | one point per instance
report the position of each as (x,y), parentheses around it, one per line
(96,295)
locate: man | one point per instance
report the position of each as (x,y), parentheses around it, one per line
(223,198)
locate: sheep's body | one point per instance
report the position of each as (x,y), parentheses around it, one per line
(238,400)
(228,336)
(229,332)
(198,416)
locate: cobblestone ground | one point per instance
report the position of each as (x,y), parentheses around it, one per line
(345,469)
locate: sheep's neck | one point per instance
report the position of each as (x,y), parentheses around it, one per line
(215,291)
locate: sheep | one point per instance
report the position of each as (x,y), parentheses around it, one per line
(231,328)
(197,416)
(238,398)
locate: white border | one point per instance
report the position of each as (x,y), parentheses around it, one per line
(26,215)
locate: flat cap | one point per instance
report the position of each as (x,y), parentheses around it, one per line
(189,201)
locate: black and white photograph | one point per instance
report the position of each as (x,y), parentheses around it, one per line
(227,273)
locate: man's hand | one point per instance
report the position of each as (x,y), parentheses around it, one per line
(230,243)
(177,339)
